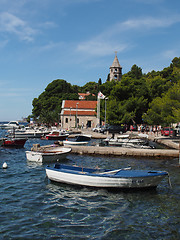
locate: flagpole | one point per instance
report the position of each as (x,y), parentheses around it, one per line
(100,96)
(98,110)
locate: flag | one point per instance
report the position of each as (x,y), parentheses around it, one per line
(101,96)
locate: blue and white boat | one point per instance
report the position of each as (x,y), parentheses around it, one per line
(124,178)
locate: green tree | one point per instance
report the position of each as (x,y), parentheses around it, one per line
(48,105)
(165,110)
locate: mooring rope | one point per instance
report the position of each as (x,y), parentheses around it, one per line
(169,181)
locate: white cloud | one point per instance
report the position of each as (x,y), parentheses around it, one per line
(170,54)
(115,37)
(9,23)
(149,22)
(99,47)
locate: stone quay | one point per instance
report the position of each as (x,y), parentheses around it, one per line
(172,149)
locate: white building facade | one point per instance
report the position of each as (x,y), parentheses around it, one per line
(78,114)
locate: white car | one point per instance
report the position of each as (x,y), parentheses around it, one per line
(96,129)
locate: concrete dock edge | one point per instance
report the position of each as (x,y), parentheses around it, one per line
(117,151)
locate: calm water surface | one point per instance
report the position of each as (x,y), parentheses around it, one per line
(34,208)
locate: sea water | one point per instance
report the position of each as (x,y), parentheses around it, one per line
(32,207)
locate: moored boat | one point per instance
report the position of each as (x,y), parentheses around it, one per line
(83,137)
(80,139)
(124,178)
(14,142)
(48,154)
(11,125)
(56,135)
(28,132)
(73,143)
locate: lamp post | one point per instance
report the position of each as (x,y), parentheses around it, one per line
(105,110)
(70,117)
(76,113)
(59,114)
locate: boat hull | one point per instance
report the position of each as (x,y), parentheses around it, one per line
(14,142)
(29,135)
(56,137)
(83,138)
(132,179)
(74,143)
(48,155)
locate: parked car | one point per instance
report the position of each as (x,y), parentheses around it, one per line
(116,129)
(96,129)
(104,128)
(167,131)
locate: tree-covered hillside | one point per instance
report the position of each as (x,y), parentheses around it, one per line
(152,98)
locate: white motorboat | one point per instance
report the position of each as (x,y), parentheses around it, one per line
(48,154)
(29,132)
(80,139)
(56,135)
(83,137)
(74,143)
(11,125)
(124,178)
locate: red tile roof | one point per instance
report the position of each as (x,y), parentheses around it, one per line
(84,95)
(79,113)
(81,104)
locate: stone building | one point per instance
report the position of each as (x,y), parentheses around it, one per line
(115,70)
(78,113)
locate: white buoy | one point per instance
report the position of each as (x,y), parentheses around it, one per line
(5,165)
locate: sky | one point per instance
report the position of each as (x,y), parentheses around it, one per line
(76,40)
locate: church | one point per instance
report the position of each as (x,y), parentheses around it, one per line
(115,70)
(81,113)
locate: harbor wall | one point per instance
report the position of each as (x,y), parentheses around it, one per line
(118,151)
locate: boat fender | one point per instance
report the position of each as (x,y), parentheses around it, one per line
(5,165)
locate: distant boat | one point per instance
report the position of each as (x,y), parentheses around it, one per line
(82,137)
(11,125)
(74,143)
(14,142)
(48,154)
(124,178)
(28,132)
(56,135)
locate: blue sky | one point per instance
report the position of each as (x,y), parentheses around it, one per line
(75,40)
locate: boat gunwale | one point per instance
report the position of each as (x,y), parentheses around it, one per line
(93,172)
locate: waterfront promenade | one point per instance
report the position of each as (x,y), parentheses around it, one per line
(172,150)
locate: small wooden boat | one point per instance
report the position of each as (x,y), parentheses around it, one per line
(48,154)
(124,178)
(14,142)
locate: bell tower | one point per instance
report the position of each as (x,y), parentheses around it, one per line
(115,69)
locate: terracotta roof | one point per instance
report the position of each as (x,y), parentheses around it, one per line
(81,104)
(83,95)
(79,113)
